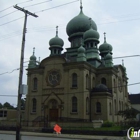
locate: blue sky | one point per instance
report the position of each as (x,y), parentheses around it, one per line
(119,19)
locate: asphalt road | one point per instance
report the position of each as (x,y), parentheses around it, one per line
(13,137)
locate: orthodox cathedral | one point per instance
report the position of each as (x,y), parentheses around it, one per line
(79,84)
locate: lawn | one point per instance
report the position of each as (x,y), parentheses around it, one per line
(113,128)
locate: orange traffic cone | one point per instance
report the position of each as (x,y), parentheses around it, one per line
(57,129)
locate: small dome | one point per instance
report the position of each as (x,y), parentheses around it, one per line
(79,23)
(101,88)
(56,42)
(81,49)
(33,57)
(108,56)
(91,34)
(105,47)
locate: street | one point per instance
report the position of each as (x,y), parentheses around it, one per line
(13,137)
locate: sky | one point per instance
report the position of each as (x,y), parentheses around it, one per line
(120,19)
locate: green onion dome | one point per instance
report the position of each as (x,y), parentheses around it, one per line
(56,42)
(105,47)
(91,34)
(79,24)
(33,57)
(108,56)
(81,49)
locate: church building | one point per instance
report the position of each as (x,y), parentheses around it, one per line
(82,83)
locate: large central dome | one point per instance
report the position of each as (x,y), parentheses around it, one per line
(79,24)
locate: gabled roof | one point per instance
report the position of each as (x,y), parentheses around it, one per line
(134,98)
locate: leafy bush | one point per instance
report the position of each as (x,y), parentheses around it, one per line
(107,124)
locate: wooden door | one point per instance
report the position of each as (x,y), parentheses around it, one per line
(53,115)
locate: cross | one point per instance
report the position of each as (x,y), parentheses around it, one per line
(81,4)
(33,50)
(56,30)
(104,36)
(90,21)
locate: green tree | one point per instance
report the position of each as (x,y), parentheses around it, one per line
(129,113)
(1,106)
(8,106)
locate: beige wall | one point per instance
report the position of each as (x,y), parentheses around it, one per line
(64,92)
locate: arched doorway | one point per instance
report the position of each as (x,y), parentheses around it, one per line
(53,110)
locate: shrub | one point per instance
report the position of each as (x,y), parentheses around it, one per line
(107,124)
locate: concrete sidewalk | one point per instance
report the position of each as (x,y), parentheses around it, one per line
(86,137)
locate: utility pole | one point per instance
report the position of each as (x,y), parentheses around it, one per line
(18,125)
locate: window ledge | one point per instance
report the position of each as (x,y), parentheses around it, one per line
(33,113)
(96,113)
(74,87)
(74,113)
(34,90)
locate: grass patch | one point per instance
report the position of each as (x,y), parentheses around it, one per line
(113,128)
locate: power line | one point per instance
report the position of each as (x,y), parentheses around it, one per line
(126,56)
(40,11)
(25,7)
(9,14)
(61,63)
(38,3)
(63,5)
(56,6)
(9,95)
(17,33)
(119,21)
(24,2)
(9,72)
(6,9)
(12,6)
(11,21)
(77,91)
(10,36)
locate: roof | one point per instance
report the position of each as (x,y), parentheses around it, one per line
(134,98)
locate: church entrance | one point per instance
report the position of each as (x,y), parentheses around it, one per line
(53,114)
(53,110)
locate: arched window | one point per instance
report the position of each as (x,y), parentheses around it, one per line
(74,104)
(87,105)
(98,107)
(34,105)
(110,108)
(87,81)
(103,81)
(93,82)
(74,80)
(119,106)
(115,86)
(35,82)
(115,107)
